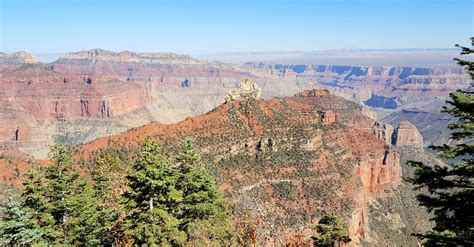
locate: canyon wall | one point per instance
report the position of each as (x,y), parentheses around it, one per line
(384,86)
(89,94)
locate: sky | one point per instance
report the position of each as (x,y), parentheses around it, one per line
(221,26)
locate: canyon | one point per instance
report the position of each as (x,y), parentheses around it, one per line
(287,143)
(394,93)
(89,94)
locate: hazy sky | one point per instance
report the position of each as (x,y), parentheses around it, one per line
(213,26)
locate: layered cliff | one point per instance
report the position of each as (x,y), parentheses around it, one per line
(89,94)
(96,55)
(384,86)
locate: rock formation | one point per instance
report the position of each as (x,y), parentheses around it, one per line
(246,90)
(17,58)
(407,135)
(383,131)
(328,117)
(127,57)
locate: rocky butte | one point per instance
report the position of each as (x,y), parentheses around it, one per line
(406,134)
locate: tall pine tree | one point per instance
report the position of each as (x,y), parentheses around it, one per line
(204,213)
(153,200)
(451,188)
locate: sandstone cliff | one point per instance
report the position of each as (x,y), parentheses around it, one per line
(89,94)
(383,131)
(407,135)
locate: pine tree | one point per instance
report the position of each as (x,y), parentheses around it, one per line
(153,200)
(107,204)
(48,197)
(62,185)
(451,188)
(34,198)
(84,223)
(17,227)
(204,212)
(331,230)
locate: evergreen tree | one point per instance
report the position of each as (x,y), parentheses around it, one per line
(49,199)
(153,200)
(17,227)
(85,223)
(107,204)
(34,198)
(204,212)
(451,188)
(62,184)
(331,230)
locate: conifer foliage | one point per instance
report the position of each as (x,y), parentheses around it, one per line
(331,230)
(162,202)
(450,188)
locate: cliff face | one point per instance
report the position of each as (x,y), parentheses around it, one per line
(95,55)
(283,162)
(384,87)
(407,135)
(89,94)
(383,131)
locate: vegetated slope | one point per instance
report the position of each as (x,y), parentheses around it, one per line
(284,162)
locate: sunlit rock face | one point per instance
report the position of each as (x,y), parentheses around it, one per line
(246,90)
(407,135)
(89,94)
(385,87)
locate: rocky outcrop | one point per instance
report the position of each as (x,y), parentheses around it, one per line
(17,58)
(407,135)
(314,93)
(328,117)
(247,90)
(383,131)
